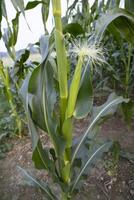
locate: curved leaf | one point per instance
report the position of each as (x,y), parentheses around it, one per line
(32,4)
(103,148)
(96,118)
(123,21)
(32,181)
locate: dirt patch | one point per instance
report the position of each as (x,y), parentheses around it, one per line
(99,185)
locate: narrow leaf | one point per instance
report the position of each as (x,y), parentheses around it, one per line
(110,105)
(32,181)
(101,150)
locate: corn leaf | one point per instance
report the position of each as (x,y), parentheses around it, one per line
(100,113)
(32,4)
(32,181)
(74,29)
(18,5)
(84,101)
(45,12)
(96,153)
(15,24)
(123,21)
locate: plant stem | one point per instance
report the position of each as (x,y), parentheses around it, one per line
(10,100)
(128,71)
(5,78)
(65,196)
(61,57)
(63,86)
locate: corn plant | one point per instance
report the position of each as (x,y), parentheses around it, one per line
(13,75)
(53,98)
(122,64)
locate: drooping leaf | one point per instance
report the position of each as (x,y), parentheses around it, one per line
(123,21)
(32,181)
(111,110)
(97,152)
(32,4)
(99,113)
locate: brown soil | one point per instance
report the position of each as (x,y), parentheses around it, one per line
(99,186)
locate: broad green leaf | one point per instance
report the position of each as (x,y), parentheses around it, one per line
(32,181)
(123,21)
(49,100)
(35,94)
(40,156)
(100,113)
(74,29)
(84,101)
(32,4)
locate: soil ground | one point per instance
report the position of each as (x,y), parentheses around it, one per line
(101,185)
